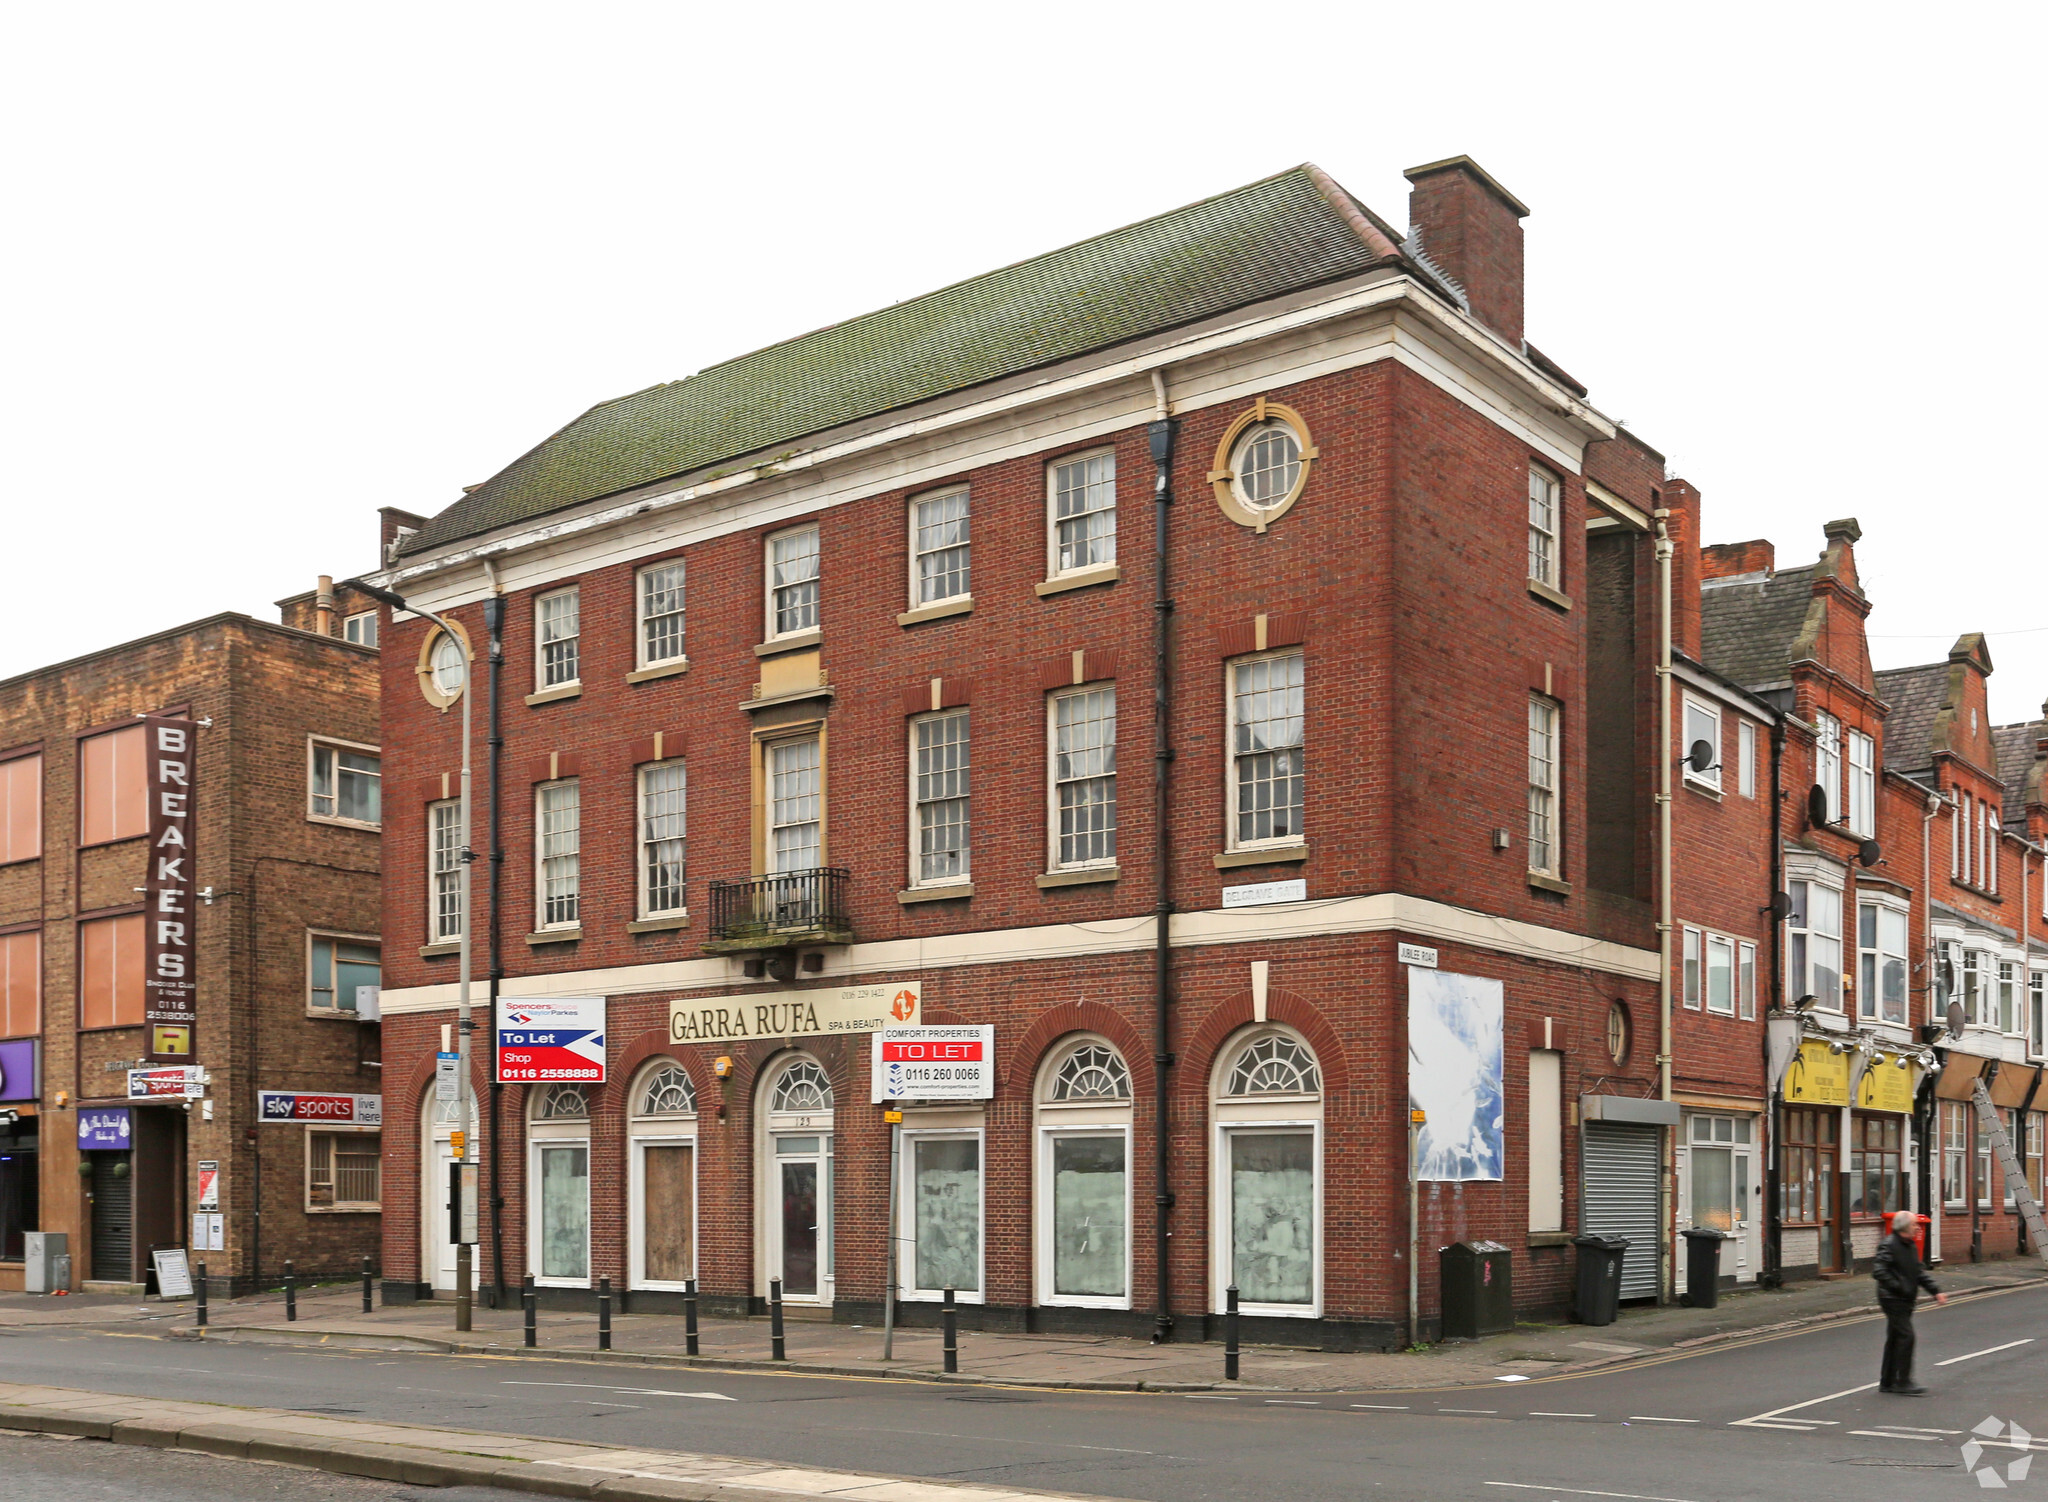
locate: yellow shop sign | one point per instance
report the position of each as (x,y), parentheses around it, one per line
(1818,1077)
(1885,1086)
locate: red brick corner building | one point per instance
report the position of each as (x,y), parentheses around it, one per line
(811,674)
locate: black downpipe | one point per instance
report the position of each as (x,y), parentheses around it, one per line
(1162,435)
(494,627)
(1774,1219)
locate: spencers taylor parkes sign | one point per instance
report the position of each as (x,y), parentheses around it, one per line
(169,976)
(826,1012)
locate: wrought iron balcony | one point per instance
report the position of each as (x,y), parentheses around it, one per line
(774,912)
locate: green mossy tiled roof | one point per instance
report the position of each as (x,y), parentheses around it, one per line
(1269,238)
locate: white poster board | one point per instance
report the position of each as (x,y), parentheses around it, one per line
(933,1063)
(173,1272)
(1455,1024)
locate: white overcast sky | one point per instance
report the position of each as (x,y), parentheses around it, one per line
(272,266)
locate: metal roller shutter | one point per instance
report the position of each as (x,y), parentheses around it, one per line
(1622,1166)
(113,1219)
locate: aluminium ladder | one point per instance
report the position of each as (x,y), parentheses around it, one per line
(2015,1171)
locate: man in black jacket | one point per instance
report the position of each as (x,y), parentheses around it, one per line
(1900,1277)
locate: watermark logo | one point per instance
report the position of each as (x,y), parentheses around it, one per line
(1991,1432)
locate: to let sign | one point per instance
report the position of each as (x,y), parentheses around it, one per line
(169,990)
(275,1106)
(934,1063)
(544,1039)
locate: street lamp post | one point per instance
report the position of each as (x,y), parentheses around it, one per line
(464,1278)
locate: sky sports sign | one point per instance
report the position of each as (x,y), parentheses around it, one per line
(283,1106)
(542,1040)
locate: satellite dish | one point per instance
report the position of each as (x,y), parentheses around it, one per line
(1955,1019)
(1701,757)
(1781,905)
(1817,807)
(1869,853)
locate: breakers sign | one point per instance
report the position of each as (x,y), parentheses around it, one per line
(169,987)
(823,1013)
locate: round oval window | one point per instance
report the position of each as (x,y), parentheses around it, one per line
(447,665)
(1617,1032)
(1267,466)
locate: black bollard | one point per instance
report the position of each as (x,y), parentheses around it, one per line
(604,1314)
(1230,1333)
(775,1350)
(291,1294)
(199,1291)
(532,1302)
(690,1318)
(366,1286)
(950,1316)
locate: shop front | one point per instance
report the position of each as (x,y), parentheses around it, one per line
(1880,1150)
(1812,1126)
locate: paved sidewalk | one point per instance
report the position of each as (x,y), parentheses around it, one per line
(417,1455)
(333,1316)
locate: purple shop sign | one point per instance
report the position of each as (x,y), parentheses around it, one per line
(19,1077)
(104,1127)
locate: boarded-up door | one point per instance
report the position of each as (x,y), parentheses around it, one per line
(668,1179)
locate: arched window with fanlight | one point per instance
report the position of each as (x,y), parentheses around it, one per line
(661,1132)
(558,1179)
(795,1178)
(1083,1109)
(1266,1102)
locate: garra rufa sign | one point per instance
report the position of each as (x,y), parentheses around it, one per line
(169,984)
(828,1012)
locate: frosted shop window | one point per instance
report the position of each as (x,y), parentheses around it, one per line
(1267,1105)
(1814,944)
(1084,1182)
(941,1230)
(662,1128)
(558,1179)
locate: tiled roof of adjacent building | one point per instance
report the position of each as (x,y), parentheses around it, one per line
(1286,233)
(1914,696)
(2015,744)
(1747,629)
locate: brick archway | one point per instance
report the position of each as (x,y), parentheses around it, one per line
(1288,1008)
(1028,1054)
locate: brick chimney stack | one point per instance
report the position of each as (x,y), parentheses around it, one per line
(1471,228)
(1728,560)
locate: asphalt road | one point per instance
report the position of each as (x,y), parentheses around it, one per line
(1792,1416)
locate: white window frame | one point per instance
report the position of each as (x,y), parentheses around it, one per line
(918,599)
(1545,529)
(334,936)
(2010,997)
(1956,1149)
(542,683)
(1862,773)
(1269,1114)
(643,1132)
(1993,846)
(1053,784)
(1053,570)
(451,808)
(1546,797)
(770,863)
(770,590)
(360,628)
(1692,969)
(1802,984)
(1711,778)
(1745,731)
(541,924)
(2037,1012)
(1827,761)
(644,658)
(571,1132)
(1102,1117)
(906,1235)
(965,876)
(1231,756)
(315,744)
(1870,960)
(1726,948)
(341,1207)
(643,888)
(1745,980)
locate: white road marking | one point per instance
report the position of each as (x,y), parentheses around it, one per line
(1573,1491)
(1809,1403)
(1512,1377)
(1881,1434)
(1540,1414)
(1296,1402)
(1468,1410)
(1795,1428)
(1988,1350)
(1212,1397)
(1385,1407)
(643,1392)
(1916,1429)
(1651,1418)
